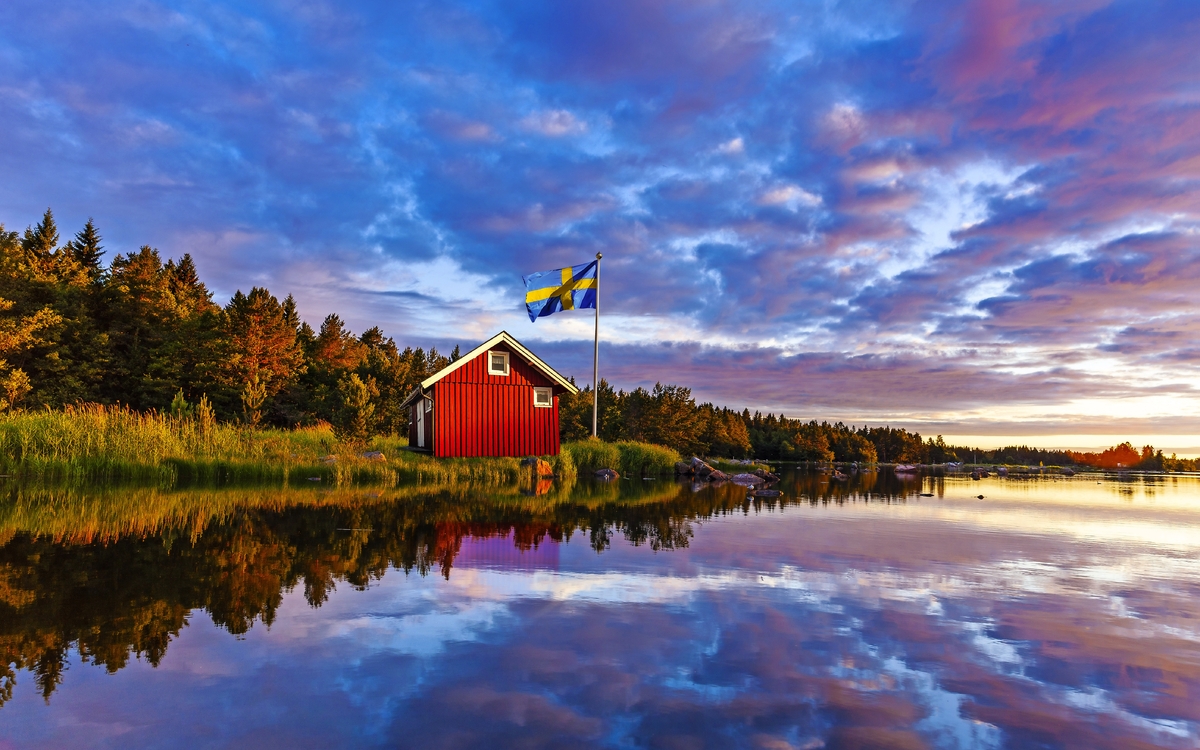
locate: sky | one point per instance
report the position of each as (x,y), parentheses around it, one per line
(979,219)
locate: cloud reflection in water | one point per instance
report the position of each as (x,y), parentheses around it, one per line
(928,623)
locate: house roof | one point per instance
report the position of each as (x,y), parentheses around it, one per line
(502,337)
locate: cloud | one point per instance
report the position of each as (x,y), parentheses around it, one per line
(732,146)
(554,123)
(789,195)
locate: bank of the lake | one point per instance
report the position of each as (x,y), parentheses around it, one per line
(92,444)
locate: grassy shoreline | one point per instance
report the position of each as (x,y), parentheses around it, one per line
(105,445)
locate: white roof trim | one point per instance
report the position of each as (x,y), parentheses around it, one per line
(517,348)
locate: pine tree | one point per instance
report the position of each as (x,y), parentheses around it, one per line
(336,348)
(42,240)
(87,251)
(141,315)
(355,417)
(184,349)
(290,314)
(66,362)
(392,372)
(191,296)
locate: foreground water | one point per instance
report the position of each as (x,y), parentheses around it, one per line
(1054,612)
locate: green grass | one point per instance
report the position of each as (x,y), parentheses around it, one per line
(93,444)
(592,455)
(628,458)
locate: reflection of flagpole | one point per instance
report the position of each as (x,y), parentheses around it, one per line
(596,355)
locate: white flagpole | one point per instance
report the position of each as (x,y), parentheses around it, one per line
(596,355)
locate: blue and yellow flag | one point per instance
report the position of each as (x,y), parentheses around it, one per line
(547,292)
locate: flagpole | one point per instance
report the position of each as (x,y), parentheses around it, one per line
(596,355)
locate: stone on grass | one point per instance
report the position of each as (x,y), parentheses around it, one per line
(538,466)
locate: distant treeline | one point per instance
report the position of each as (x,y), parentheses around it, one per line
(144,332)
(1125,456)
(668,415)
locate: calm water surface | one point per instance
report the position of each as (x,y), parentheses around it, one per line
(1052,613)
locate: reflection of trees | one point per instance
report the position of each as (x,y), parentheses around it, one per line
(123,586)
(868,486)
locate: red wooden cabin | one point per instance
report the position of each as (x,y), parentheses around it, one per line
(496,400)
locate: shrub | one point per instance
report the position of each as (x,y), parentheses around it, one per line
(592,455)
(626,457)
(646,458)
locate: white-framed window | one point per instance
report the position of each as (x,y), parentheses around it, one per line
(428,405)
(497,363)
(543,397)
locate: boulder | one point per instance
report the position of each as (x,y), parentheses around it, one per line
(683,468)
(539,467)
(607,475)
(700,467)
(716,475)
(373,456)
(750,480)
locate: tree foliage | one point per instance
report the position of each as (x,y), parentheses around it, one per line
(144,331)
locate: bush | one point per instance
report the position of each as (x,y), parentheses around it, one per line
(592,455)
(626,457)
(647,458)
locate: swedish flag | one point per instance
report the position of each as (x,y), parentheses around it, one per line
(547,292)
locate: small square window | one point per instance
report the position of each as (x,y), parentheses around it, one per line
(428,405)
(543,397)
(497,363)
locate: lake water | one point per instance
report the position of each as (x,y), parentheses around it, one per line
(1052,613)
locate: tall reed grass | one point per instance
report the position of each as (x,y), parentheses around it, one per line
(635,459)
(92,443)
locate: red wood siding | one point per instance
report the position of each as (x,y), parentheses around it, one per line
(493,415)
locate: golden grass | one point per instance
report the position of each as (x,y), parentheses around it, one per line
(95,444)
(628,458)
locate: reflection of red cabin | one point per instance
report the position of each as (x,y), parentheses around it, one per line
(496,400)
